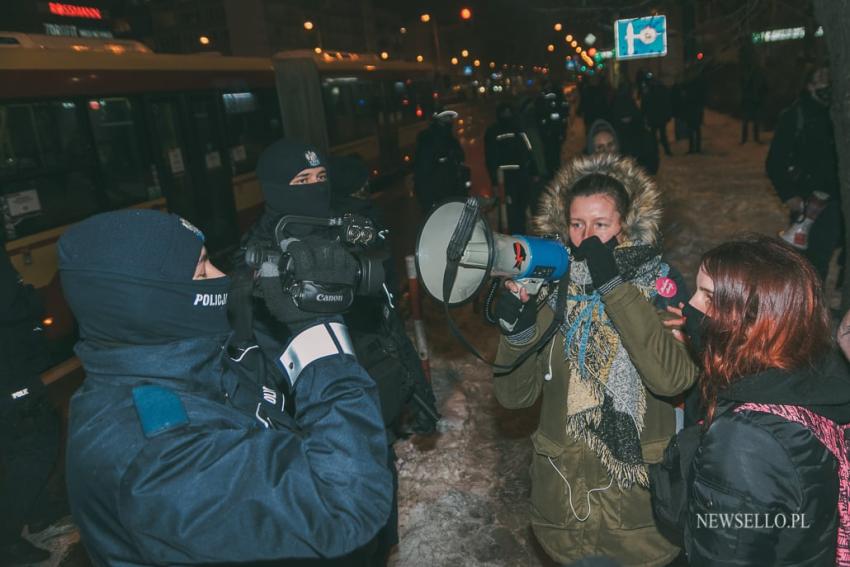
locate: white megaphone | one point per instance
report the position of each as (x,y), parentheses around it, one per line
(531,259)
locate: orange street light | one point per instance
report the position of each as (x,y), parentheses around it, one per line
(204,40)
(578,49)
(550,48)
(477,63)
(420,59)
(385,55)
(402,31)
(318,50)
(308,25)
(492,64)
(465,13)
(454,61)
(425,18)
(558,26)
(464,53)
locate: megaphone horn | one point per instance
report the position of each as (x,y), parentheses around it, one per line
(486,255)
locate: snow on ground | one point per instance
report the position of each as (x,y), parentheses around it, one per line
(463,493)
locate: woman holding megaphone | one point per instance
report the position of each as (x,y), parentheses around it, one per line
(605,378)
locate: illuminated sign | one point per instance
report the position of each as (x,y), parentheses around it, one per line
(784,34)
(74,11)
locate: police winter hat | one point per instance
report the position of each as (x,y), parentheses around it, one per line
(277,165)
(127,276)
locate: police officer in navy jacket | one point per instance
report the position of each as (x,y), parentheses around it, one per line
(163,465)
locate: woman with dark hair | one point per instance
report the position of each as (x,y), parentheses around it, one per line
(604,376)
(770,475)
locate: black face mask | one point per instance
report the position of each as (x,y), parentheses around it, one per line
(312,200)
(695,322)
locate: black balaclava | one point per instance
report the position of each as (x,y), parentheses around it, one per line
(127,276)
(277,165)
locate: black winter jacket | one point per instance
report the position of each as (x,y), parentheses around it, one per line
(768,470)
(802,155)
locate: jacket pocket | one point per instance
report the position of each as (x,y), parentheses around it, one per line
(548,491)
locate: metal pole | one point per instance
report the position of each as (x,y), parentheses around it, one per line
(436,42)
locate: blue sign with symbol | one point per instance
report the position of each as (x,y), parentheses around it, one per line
(641,37)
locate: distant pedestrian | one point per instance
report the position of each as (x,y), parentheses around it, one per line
(657,109)
(553,113)
(693,109)
(802,160)
(602,138)
(510,162)
(635,138)
(438,170)
(753,93)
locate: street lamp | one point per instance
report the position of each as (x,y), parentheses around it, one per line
(402,31)
(558,26)
(569,38)
(204,40)
(425,18)
(550,48)
(308,25)
(464,53)
(477,63)
(317,50)
(420,59)
(465,14)
(454,61)
(385,55)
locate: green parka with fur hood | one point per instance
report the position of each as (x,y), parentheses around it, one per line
(578,508)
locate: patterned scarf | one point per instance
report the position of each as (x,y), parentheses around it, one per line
(606,400)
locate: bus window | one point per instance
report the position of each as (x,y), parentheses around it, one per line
(350,108)
(123,166)
(46,168)
(252,123)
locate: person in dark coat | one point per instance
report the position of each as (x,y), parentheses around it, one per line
(693,109)
(766,482)
(629,122)
(802,159)
(753,93)
(509,158)
(553,114)
(334,188)
(657,109)
(595,101)
(438,170)
(164,467)
(29,426)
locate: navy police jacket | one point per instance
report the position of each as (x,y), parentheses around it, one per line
(163,469)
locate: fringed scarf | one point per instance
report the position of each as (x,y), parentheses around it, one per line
(606,400)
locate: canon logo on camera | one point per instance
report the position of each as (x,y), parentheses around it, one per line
(330,297)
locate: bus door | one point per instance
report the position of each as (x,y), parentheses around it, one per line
(168,141)
(214,203)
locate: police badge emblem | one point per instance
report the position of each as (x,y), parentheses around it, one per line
(312,158)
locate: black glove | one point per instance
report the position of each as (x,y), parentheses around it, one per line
(320,260)
(600,262)
(513,315)
(314,260)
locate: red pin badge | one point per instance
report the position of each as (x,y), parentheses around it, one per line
(666,287)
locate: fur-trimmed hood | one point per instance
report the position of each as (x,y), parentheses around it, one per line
(643,221)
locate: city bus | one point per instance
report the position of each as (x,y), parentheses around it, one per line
(94,125)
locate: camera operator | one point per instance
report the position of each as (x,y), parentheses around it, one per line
(163,466)
(377,332)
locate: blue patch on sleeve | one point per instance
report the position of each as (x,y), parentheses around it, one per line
(159,409)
